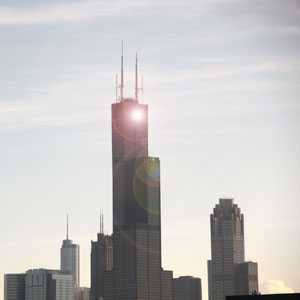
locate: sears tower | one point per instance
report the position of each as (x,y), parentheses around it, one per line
(137,272)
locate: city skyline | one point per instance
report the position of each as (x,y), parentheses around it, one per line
(221,79)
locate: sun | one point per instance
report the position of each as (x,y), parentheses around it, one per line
(137,115)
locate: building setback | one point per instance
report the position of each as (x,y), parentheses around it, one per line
(14,287)
(137,272)
(187,288)
(228,274)
(101,260)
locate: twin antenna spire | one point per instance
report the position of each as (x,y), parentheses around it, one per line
(121,86)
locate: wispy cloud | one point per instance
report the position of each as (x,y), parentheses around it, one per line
(211,68)
(271,286)
(68,100)
(76,11)
(72,11)
(80,98)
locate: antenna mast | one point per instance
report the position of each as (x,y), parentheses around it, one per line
(142,89)
(101,222)
(67,226)
(116,87)
(122,75)
(136,79)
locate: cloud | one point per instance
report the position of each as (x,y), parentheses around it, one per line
(74,11)
(68,100)
(271,286)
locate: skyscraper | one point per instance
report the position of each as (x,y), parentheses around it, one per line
(101,259)
(227,251)
(69,257)
(187,288)
(137,272)
(14,287)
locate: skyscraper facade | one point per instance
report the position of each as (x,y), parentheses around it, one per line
(101,260)
(227,251)
(70,258)
(42,284)
(137,272)
(187,288)
(14,287)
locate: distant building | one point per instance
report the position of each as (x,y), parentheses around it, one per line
(82,293)
(14,287)
(187,288)
(42,284)
(246,278)
(228,274)
(70,258)
(101,260)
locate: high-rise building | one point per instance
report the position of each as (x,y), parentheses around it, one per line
(101,260)
(137,272)
(42,284)
(246,278)
(69,258)
(227,251)
(187,288)
(14,287)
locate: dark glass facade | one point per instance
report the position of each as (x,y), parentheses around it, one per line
(137,273)
(101,260)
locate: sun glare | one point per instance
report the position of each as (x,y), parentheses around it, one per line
(137,115)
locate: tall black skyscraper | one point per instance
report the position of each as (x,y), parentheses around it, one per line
(101,260)
(137,272)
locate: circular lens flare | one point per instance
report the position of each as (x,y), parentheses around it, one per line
(137,115)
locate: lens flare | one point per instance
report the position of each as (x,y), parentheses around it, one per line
(137,115)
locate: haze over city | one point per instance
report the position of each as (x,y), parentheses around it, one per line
(221,79)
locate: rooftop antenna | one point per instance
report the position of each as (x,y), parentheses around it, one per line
(67,226)
(116,87)
(122,75)
(142,88)
(136,79)
(101,222)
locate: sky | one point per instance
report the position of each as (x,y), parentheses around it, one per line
(222,81)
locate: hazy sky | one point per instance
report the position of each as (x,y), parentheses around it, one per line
(222,80)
